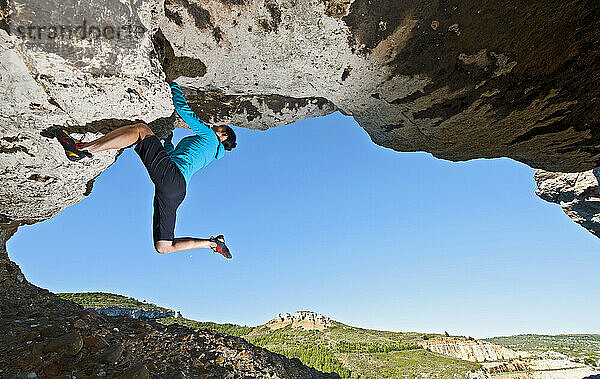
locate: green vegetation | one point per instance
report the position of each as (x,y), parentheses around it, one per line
(576,346)
(316,356)
(231,329)
(349,351)
(367,347)
(103,300)
(360,353)
(409,364)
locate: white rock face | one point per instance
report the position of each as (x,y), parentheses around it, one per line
(306,320)
(37,179)
(448,90)
(139,314)
(470,350)
(305,57)
(416,76)
(84,85)
(576,193)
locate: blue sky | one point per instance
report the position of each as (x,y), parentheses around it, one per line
(320,218)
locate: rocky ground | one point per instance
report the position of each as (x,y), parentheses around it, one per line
(42,335)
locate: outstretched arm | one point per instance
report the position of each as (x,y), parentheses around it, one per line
(186,113)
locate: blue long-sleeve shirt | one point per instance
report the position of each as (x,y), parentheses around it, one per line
(192,152)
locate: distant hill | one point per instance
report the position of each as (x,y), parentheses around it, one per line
(104,299)
(330,346)
(320,342)
(355,352)
(98,300)
(578,347)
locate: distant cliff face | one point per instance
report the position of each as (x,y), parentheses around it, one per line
(469,350)
(576,193)
(507,367)
(138,314)
(306,320)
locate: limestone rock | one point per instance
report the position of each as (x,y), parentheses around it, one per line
(306,320)
(10,273)
(140,314)
(576,193)
(489,80)
(505,367)
(87,86)
(470,350)
(461,80)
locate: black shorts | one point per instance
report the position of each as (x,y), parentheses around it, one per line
(169,186)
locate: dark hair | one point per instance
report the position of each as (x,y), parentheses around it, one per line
(229,144)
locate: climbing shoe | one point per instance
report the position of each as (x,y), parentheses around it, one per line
(71,146)
(221,247)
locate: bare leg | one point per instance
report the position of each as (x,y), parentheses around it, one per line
(119,138)
(180,244)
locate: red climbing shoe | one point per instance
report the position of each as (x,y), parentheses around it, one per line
(71,146)
(221,247)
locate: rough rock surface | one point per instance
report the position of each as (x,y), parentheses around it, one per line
(86,86)
(505,367)
(138,314)
(460,79)
(469,350)
(576,193)
(306,320)
(43,334)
